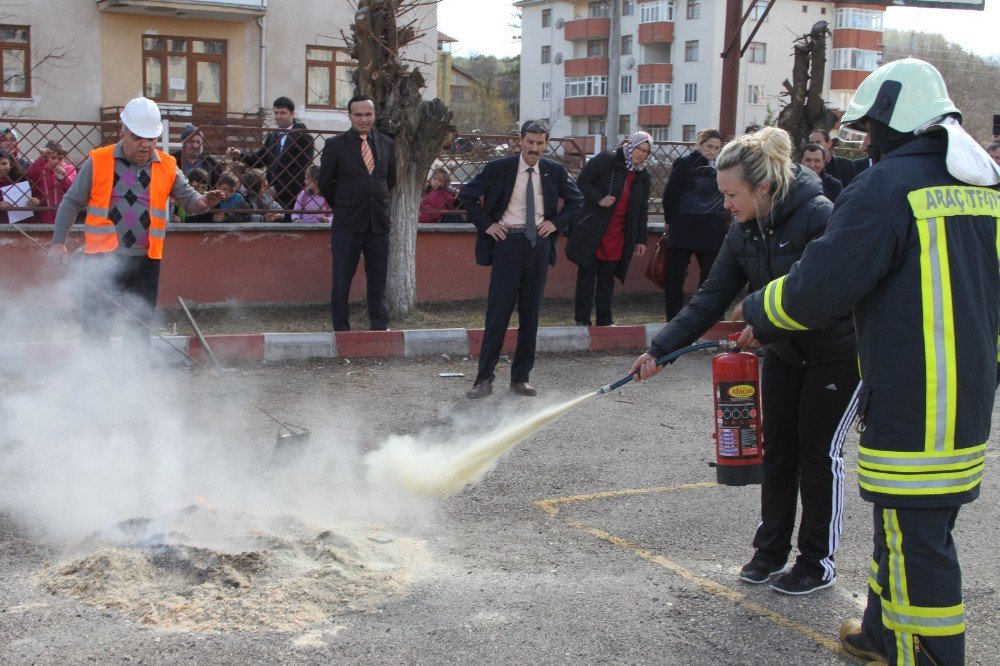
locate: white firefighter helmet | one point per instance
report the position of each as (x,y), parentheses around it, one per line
(903,94)
(142,117)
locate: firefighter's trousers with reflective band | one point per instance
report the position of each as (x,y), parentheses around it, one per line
(915,611)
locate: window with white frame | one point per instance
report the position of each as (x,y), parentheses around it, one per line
(691,51)
(659,10)
(757,10)
(586,86)
(755,94)
(660,133)
(690,93)
(546,54)
(693,9)
(546,90)
(757,53)
(628,7)
(597,48)
(858,19)
(546,18)
(857,59)
(626,85)
(688,133)
(654,94)
(626,45)
(595,124)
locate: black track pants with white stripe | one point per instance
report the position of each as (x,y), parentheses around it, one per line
(807,414)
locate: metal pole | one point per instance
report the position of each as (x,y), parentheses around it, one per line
(730,70)
(614,75)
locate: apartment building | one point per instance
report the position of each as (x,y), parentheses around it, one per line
(219,57)
(669,80)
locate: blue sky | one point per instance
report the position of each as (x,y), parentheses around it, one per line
(481,26)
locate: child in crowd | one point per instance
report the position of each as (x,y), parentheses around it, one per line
(198,178)
(438,197)
(50,176)
(228,185)
(310,199)
(259,196)
(10,173)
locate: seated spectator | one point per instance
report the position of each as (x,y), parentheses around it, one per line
(50,176)
(259,196)
(310,199)
(10,173)
(233,200)
(814,157)
(8,143)
(438,197)
(192,155)
(199,181)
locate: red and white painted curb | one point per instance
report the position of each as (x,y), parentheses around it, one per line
(371,344)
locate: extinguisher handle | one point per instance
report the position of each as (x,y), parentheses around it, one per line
(662,361)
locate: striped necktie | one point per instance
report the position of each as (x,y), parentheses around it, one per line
(366,155)
(530,232)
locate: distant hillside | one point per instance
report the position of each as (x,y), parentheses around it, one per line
(973,82)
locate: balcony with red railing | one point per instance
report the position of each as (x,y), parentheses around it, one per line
(585,106)
(656,73)
(589,28)
(586,67)
(656,32)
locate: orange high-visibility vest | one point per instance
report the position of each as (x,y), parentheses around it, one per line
(99,231)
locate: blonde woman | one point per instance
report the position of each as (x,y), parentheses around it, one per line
(809,379)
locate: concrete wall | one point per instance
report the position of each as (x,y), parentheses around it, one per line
(291,264)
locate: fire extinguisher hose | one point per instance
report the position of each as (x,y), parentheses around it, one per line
(669,358)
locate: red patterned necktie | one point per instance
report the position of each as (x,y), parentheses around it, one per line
(366,155)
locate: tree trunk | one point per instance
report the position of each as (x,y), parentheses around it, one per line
(419,128)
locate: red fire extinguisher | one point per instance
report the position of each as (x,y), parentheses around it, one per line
(739,454)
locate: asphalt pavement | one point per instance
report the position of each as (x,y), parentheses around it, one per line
(600,539)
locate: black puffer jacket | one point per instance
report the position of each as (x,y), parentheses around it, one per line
(604,175)
(692,205)
(757,252)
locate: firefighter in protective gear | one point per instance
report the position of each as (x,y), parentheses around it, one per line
(125,190)
(912,250)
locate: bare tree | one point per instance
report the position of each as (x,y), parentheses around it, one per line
(806,110)
(381,31)
(33,64)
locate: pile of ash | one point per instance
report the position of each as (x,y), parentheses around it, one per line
(202,570)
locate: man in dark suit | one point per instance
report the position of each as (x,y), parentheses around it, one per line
(286,154)
(839,167)
(356,173)
(513,201)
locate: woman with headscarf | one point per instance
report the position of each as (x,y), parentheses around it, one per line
(612,226)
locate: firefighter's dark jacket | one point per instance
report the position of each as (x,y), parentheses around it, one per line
(913,252)
(757,252)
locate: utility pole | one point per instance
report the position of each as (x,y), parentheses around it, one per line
(614,76)
(730,69)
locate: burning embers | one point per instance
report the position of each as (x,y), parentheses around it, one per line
(201,569)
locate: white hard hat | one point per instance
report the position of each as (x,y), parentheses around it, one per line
(903,94)
(142,117)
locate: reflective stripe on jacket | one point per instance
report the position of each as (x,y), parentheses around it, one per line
(916,255)
(99,230)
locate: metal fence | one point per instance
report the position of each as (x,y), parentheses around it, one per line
(284,168)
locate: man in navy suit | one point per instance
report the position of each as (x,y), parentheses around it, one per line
(513,201)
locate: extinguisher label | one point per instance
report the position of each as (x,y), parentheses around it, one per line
(737,420)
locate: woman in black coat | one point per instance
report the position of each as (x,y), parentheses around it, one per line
(809,382)
(695,218)
(612,226)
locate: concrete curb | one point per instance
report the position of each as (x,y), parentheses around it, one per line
(368,344)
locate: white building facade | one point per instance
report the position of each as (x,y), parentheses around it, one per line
(669,80)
